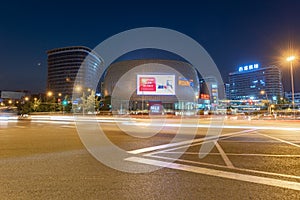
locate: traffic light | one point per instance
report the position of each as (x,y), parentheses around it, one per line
(64,102)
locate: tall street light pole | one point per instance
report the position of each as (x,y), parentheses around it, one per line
(290,59)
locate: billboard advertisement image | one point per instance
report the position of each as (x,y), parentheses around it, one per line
(155,84)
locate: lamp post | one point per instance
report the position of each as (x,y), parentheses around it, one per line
(290,59)
(80,90)
(263,92)
(49,95)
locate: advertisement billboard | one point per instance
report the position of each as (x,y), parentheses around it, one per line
(155,84)
(12,95)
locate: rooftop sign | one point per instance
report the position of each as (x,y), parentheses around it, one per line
(248,67)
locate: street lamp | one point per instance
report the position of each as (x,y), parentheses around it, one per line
(263,92)
(49,94)
(291,59)
(78,88)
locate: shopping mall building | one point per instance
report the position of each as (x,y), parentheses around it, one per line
(152,85)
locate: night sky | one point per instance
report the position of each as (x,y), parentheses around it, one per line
(233,32)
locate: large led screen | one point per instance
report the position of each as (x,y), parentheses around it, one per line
(155,84)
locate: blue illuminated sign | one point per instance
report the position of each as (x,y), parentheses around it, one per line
(248,67)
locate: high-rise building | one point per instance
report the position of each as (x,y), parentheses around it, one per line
(255,82)
(288,95)
(63,68)
(227,90)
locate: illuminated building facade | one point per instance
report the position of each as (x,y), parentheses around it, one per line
(255,82)
(149,83)
(288,95)
(63,67)
(209,94)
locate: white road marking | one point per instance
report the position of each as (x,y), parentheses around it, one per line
(275,138)
(218,173)
(20,126)
(224,156)
(164,146)
(225,167)
(249,141)
(67,126)
(232,154)
(208,140)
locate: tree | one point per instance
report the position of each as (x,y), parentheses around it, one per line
(89,103)
(35,105)
(24,108)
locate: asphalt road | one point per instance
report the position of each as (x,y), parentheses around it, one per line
(45,159)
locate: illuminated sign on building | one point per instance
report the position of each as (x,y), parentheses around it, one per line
(155,84)
(155,107)
(204,96)
(248,67)
(185,82)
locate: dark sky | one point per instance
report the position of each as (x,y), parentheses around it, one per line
(233,32)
